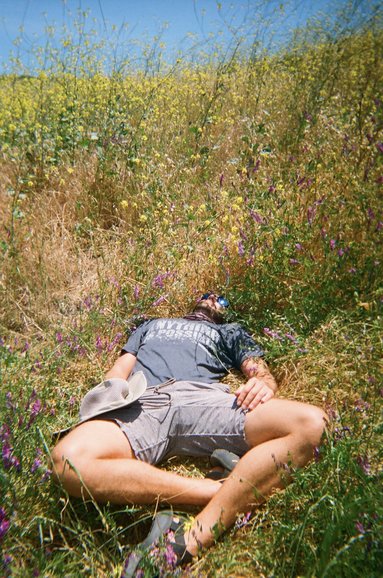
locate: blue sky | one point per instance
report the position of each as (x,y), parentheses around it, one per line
(138,20)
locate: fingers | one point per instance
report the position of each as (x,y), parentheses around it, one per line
(252,393)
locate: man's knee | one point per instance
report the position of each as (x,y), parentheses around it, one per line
(311,424)
(76,452)
(67,454)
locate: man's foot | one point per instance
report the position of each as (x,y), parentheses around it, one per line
(164,523)
(223,463)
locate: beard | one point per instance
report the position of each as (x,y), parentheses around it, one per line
(210,312)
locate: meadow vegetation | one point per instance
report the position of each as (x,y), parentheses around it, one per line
(125,195)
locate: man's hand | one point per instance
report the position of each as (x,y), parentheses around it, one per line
(253,392)
(260,386)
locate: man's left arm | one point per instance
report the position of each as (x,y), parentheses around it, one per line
(260,386)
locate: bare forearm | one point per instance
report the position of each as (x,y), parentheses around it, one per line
(123,367)
(256,367)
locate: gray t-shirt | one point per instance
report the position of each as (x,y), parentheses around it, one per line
(191,350)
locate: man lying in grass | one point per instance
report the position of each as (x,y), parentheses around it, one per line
(186,411)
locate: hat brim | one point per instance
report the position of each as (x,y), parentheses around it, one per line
(139,385)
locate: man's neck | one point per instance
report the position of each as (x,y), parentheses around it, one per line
(199,316)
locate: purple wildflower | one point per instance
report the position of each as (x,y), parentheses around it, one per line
(36,408)
(88,302)
(114,282)
(341,252)
(300,181)
(159,301)
(7,561)
(114,341)
(4,523)
(311,211)
(9,403)
(298,247)
(341,433)
(4,432)
(332,244)
(291,337)
(241,249)
(256,217)
(364,464)
(362,405)
(360,528)
(242,521)
(136,292)
(46,475)
(273,334)
(9,460)
(99,344)
(36,465)
(2,342)
(37,365)
(158,281)
(170,556)
(379,146)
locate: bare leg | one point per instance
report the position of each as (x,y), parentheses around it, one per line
(96,458)
(280,432)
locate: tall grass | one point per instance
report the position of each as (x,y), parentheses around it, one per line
(125,195)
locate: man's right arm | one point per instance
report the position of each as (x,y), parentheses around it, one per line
(123,367)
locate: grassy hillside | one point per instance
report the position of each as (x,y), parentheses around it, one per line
(124,196)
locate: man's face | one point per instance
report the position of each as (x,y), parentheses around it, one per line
(211,305)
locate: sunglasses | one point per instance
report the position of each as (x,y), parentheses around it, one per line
(221,300)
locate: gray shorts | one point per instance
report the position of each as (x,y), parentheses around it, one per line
(183,418)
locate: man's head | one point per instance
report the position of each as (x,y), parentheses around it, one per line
(213,306)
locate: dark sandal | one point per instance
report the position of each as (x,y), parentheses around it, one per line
(162,523)
(226,460)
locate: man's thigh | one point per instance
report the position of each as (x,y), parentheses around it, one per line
(278,418)
(95,439)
